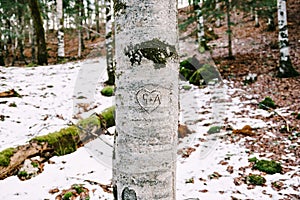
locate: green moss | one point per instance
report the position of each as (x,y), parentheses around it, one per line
(63,141)
(254,159)
(67,196)
(186,87)
(32,65)
(214,129)
(35,164)
(78,188)
(90,121)
(22,174)
(267,103)
(256,179)
(298,116)
(108,115)
(5,156)
(107,91)
(270,167)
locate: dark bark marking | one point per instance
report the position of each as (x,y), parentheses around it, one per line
(154,50)
(128,194)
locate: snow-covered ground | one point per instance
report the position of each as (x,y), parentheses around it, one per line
(51,95)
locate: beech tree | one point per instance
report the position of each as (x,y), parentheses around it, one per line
(285,68)
(144,157)
(42,54)
(109,38)
(201,33)
(79,7)
(60,31)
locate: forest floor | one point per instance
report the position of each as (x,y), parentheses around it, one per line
(210,166)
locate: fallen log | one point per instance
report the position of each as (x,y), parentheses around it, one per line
(59,143)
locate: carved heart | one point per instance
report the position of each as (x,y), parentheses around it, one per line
(148,100)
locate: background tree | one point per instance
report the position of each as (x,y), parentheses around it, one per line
(144,158)
(229,30)
(109,38)
(285,68)
(79,18)
(200,32)
(60,31)
(42,55)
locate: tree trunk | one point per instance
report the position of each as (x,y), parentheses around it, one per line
(32,41)
(102,11)
(80,16)
(109,38)
(2,62)
(21,34)
(285,68)
(256,19)
(229,32)
(271,23)
(88,20)
(97,16)
(218,8)
(201,34)
(144,157)
(39,31)
(60,32)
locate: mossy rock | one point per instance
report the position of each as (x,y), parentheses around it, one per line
(109,116)
(63,141)
(88,122)
(267,103)
(214,129)
(5,156)
(108,91)
(270,167)
(255,179)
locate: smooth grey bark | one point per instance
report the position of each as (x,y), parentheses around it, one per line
(109,39)
(144,157)
(60,30)
(285,68)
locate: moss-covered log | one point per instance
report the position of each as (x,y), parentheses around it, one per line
(61,142)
